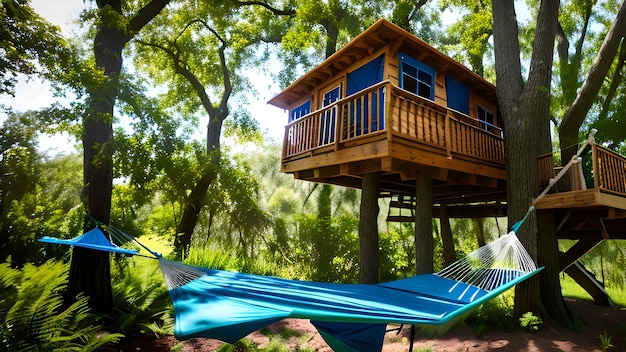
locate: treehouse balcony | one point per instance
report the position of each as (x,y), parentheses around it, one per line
(589,201)
(389,130)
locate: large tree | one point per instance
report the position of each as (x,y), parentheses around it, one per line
(200,56)
(525,110)
(580,94)
(524,106)
(116,23)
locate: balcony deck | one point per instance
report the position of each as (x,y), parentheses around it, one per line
(388,130)
(598,212)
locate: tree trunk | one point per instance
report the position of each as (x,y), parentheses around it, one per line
(89,269)
(424,244)
(479,226)
(449,254)
(525,112)
(191,212)
(196,200)
(368,229)
(551,297)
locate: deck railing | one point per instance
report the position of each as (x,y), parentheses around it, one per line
(609,170)
(402,115)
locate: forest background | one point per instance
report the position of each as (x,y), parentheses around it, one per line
(252,218)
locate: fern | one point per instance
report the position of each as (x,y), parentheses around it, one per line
(143,304)
(34,316)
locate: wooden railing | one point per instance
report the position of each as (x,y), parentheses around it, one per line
(609,170)
(385,107)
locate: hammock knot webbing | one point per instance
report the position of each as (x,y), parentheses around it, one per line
(489,266)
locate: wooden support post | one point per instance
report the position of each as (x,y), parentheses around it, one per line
(368,229)
(424,245)
(449,255)
(589,283)
(577,251)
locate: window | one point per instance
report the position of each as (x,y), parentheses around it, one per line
(458,95)
(485,118)
(300,111)
(417,77)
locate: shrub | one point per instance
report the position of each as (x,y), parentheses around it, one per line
(530,321)
(496,313)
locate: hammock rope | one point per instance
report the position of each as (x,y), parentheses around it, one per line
(178,274)
(492,264)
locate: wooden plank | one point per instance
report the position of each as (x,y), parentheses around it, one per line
(374,150)
(611,200)
(572,199)
(419,157)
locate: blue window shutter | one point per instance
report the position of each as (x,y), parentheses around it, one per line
(366,75)
(300,111)
(458,95)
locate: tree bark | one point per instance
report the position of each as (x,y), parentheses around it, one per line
(479,225)
(90,270)
(368,229)
(424,244)
(449,254)
(525,112)
(551,297)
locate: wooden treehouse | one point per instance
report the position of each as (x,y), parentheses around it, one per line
(389,103)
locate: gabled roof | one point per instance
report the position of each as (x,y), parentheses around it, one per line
(380,34)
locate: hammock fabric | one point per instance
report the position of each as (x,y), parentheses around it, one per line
(350,317)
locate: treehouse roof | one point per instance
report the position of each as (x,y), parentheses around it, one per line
(380,34)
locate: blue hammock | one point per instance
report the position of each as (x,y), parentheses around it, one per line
(350,317)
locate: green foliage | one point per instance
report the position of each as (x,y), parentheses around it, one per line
(605,342)
(37,196)
(277,343)
(469,37)
(530,321)
(327,249)
(143,305)
(397,252)
(35,318)
(29,45)
(496,313)
(243,345)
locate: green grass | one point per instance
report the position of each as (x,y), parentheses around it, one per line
(571,289)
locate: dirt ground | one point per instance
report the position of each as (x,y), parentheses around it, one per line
(599,320)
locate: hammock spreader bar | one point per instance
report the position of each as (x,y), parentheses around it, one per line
(92,239)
